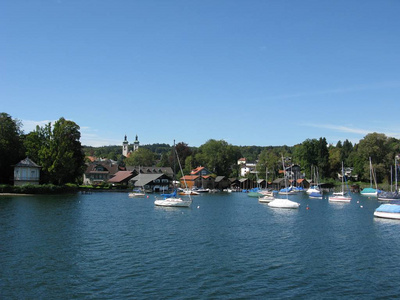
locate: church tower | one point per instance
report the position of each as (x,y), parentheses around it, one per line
(136,144)
(125,145)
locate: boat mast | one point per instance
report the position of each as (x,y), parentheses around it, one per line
(370,172)
(395,169)
(342,179)
(284,178)
(174,177)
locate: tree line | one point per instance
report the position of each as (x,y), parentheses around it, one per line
(55,147)
(58,150)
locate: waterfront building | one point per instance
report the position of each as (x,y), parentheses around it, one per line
(26,172)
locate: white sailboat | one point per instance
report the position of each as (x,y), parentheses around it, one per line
(283,203)
(370,191)
(171,200)
(342,195)
(315,188)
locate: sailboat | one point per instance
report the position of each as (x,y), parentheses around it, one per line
(283,203)
(390,196)
(171,200)
(370,191)
(340,196)
(314,190)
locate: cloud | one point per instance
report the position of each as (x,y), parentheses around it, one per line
(358,131)
(90,137)
(357,88)
(30,125)
(340,128)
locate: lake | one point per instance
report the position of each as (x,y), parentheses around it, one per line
(226,246)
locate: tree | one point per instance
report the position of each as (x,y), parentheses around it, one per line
(323,157)
(269,160)
(58,151)
(334,161)
(141,157)
(218,156)
(11,146)
(377,147)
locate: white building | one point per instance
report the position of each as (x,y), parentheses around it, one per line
(26,172)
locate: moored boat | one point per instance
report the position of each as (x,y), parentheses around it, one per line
(266,199)
(283,203)
(370,191)
(388,211)
(388,196)
(171,200)
(341,196)
(316,195)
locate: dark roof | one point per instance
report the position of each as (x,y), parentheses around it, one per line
(151,170)
(121,176)
(219,178)
(27,162)
(143,179)
(111,167)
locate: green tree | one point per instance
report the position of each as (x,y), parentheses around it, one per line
(218,156)
(334,161)
(11,146)
(323,158)
(270,162)
(141,157)
(379,148)
(58,151)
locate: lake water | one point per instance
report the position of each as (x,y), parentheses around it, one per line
(226,246)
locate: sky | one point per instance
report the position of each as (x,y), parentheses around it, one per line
(249,72)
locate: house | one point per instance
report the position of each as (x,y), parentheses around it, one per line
(234,183)
(194,181)
(26,172)
(199,177)
(200,171)
(241,161)
(99,172)
(246,167)
(151,170)
(292,172)
(348,173)
(302,182)
(221,182)
(122,177)
(155,182)
(280,183)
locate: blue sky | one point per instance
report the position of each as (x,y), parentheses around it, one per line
(250,72)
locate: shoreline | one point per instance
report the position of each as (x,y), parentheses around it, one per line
(15,194)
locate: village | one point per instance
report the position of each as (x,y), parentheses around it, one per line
(160,179)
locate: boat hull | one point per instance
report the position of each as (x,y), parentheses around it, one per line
(136,195)
(266,199)
(173,202)
(339,199)
(387,215)
(283,203)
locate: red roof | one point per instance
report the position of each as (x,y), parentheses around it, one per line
(197,170)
